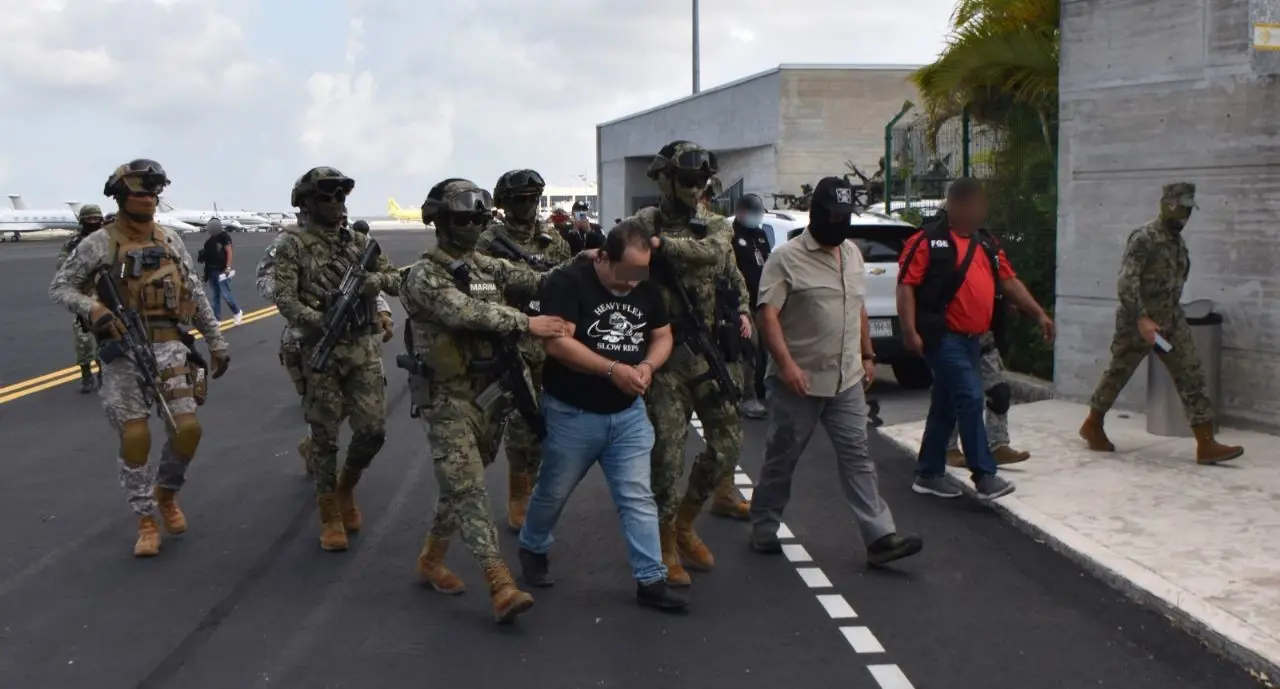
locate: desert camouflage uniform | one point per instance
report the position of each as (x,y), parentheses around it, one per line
(524,450)
(1153,271)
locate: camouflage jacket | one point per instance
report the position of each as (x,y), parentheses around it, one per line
(1153,271)
(265,279)
(72,284)
(700,260)
(301,256)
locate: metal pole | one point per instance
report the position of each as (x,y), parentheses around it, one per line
(966,143)
(888,155)
(696,58)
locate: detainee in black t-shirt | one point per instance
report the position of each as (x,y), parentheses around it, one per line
(593,402)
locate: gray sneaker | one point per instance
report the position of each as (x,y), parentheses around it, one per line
(935,485)
(990,487)
(752,409)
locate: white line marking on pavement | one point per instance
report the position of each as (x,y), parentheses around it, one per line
(860,638)
(837,607)
(890,677)
(796,553)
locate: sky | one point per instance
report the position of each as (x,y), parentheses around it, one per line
(238,98)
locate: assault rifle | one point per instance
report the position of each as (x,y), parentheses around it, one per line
(132,341)
(697,334)
(506,248)
(343,311)
(419,373)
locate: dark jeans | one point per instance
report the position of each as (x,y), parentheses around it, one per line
(957,400)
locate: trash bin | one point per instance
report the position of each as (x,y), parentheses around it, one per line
(1165,415)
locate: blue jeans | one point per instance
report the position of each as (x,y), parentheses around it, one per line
(622,443)
(957,400)
(220,290)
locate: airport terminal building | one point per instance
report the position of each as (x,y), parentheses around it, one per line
(772,131)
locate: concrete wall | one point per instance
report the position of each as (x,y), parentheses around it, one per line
(832,115)
(1154,91)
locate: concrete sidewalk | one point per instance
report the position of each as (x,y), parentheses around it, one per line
(1202,543)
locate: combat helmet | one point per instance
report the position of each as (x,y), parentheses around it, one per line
(445,192)
(517,182)
(683,156)
(89,211)
(140,175)
(322,181)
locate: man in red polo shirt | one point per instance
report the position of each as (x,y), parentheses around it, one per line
(947,287)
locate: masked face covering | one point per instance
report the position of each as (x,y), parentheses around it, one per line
(463,228)
(522,207)
(1175,214)
(684,188)
(827,228)
(326,210)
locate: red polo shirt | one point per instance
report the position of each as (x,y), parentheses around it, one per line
(971,311)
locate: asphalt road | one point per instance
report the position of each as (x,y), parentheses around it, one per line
(246,598)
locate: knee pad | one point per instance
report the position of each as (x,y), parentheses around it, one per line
(186,437)
(999,397)
(135,442)
(364,446)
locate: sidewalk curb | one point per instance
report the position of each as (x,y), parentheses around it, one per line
(1217,629)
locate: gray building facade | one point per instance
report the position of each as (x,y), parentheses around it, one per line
(772,131)
(1155,91)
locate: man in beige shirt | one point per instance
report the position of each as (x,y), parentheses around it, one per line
(814,322)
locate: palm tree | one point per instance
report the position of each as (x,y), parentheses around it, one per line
(1001,62)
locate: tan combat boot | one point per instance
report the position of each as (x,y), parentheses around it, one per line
(347,480)
(1007,455)
(1209,450)
(508,601)
(432,570)
(332,535)
(519,487)
(724,503)
(690,547)
(175,522)
(676,576)
(148,544)
(304,449)
(955,458)
(1092,433)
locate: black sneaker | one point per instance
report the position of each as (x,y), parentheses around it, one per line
(535,569)
(893,547)
(765,543)
(660,595)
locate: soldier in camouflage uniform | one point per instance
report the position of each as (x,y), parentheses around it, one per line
(1153,272)
(453,297)
(702,253)
(310,262)
(155,277)
(90,218)
(999,396)
(517,193)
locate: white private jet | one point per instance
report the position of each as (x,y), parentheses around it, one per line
(20,219)
(202,218)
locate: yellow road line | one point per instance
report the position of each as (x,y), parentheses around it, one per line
(70,374)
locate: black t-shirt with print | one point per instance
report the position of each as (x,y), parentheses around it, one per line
(616,328)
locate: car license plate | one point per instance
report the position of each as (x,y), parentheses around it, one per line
(881,327)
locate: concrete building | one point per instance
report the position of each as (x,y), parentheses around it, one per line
(772,131)
(1155,91)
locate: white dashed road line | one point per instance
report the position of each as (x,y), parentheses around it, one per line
(860,638)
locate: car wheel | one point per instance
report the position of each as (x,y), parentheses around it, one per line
(913,375)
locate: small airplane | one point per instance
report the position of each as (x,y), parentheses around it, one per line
(200,218)
(22,219)
(394,210)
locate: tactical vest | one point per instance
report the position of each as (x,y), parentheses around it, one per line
(699,282)
(321,277)
(453,354)
(149,276)
(942,280)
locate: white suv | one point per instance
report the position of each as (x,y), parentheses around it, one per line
(881,239)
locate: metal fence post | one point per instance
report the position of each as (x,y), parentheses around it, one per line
(888,155)
(966,141)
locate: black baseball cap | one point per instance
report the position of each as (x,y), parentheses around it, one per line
(833,195)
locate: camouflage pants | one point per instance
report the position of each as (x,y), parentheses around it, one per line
(991,370)
(354,388)
(86,345)
(524,451)
(122,401)
(291,357)
(1128,349)
(671,401)
(463,441)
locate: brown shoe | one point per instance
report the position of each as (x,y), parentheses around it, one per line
(175,522)
(433,571)
(333,536)
(351,517)
(1209,450)
(1007,455)
(508,600)
(691,548)
(1092,433)
(726,503)
(519,487)
(676,576)
(148,544)
(955,458)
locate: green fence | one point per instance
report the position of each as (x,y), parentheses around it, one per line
(1018,163)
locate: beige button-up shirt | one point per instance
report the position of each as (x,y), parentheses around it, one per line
(820,308)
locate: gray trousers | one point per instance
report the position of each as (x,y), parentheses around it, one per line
(792,421)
